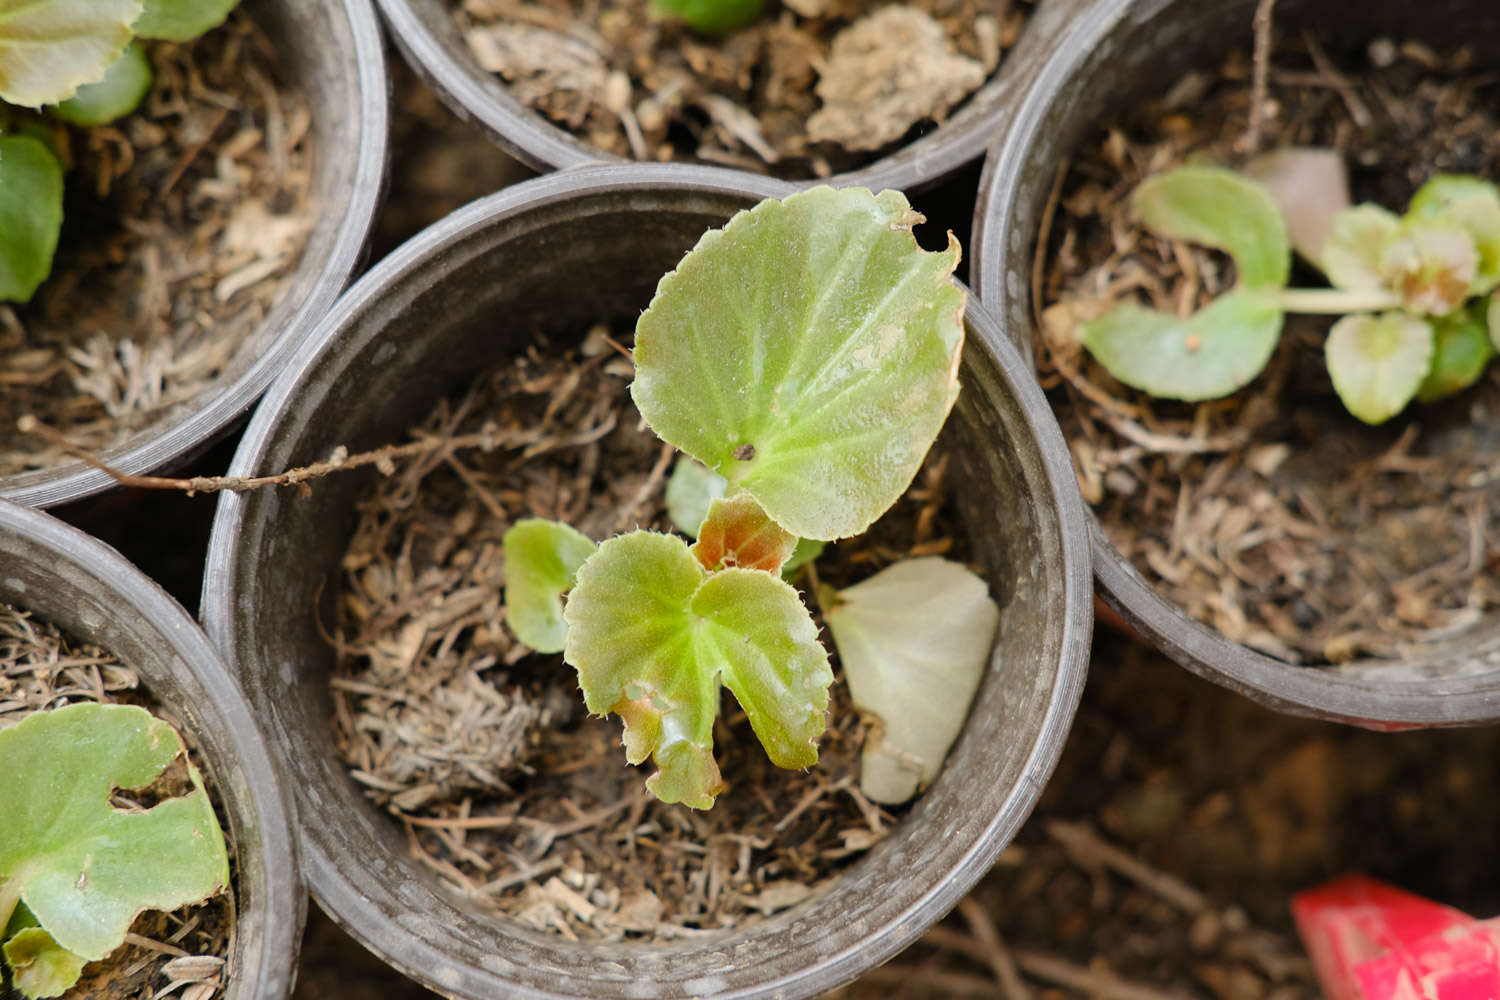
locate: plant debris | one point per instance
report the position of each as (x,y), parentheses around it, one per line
(641,86)
(182,221)
(178,954)
(482,748)
(1272,515)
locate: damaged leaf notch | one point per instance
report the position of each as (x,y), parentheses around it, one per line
(1420,313)
(804,357)
(75,871)
(76,63)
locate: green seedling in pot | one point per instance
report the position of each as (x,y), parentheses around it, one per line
(804,358)
(711,17)
(75,871)
(1420,314)
(73,62)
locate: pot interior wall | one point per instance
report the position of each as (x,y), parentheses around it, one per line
(56,573)
(423,328)
(1119,53)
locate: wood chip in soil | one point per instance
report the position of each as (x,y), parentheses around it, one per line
(812,88)
(182,953)
(181,224)
(483,749)
(1274,515)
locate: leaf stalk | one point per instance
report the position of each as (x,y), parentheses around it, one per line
(1336,300)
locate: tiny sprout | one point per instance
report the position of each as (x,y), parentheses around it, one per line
(74,870)
(804,398)
(1415,292)
(712,17)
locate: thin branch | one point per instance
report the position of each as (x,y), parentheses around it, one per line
(1259,72)
(996,954)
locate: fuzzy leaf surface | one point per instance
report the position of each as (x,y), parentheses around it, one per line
(914,640)
(738,532)
(39,965)
(807,352)
(84,868)
(1461,351)
(181,20)
(120,92)
(541,561)
(1474,206)
(48,48)
(1222,209)
(1213,352)
(691,488)
(1377,361)
(1432,264)
(1356,238)
(652,636)
(31,192)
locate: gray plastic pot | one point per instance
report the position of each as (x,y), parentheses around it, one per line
(1118,53)
(333,49)
(91,592)
(557,254)
(426,34)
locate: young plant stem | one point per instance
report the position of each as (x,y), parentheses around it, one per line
(9,897)
(1336,300)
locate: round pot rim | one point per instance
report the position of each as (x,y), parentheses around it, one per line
(531,138)
(283,896)
(338,892)
(155,445)
(1351,693)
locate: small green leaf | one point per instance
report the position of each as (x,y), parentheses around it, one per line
(1310,187)
(1474,206)
(807,352)
(541,560)
(1431,264)
(1377,361)
(120,92)
(48,48)
(691,489)
(1351,256)
(914,640)
(84,868)
(738,532)
(181,20)
(1217,350)
(39,966)
(652,636)
(806,551)
(712,17)
(1461,351)
(1221,209)
(31,192)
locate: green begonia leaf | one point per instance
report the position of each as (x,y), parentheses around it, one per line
(807,550)
(1221,209)
(1352,253)
(1461,350)
(120,92)
(541,560)
(1218,349)
(31,192)
(1377,361)
(712,17)
(1472,205)
(39,966)
(738,532)
(808,352)
(181,20)
(48,48)
(84,868)
(914,640)
(1432,264)
(652,636)
(692,487)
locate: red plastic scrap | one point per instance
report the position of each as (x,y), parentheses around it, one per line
(1372,941)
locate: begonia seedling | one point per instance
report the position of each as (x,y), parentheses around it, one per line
(1416,293)
(804,358)
(77,60)
(75,871)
